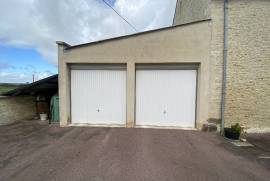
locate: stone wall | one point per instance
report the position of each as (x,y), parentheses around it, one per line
(248,81)
(191,10)
(16,108)
(248,74)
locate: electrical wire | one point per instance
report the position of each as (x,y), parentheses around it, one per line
(120,16)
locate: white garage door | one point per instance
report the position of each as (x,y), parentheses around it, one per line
(98,97)
(166,98)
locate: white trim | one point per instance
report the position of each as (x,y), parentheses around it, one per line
(96,125)
(98,66)
(167,66)
(166,127)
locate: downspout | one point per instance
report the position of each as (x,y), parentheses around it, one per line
(225,52)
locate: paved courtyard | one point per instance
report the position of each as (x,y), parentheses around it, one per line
(36,151)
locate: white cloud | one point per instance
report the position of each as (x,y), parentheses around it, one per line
(42,75)
(39,23)
(143,13)
(5,65)
(23,77)
(14,77)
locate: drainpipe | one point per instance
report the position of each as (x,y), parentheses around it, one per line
(225,51)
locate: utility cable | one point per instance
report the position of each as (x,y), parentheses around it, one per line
(120,16)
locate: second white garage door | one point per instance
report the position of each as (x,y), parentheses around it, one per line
(98,97)
(166,98)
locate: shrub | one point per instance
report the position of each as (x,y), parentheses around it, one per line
(236,128)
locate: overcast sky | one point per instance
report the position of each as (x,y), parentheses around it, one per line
(29,29)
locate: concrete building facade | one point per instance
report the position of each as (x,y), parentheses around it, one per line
(191,10)
(195,40)
(182,44)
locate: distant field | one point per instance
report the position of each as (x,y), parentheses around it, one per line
(7,87)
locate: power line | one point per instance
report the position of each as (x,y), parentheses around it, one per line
(121,16)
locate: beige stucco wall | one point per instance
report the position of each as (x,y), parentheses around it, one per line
(195,10)
(248,87)
(191,10)
(183,44)
(16,108)
(216,58)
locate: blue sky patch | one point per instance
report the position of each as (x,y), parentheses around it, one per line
(24,63)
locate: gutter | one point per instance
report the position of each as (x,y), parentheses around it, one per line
(225,53)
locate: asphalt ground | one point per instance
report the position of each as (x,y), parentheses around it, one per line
(36,151)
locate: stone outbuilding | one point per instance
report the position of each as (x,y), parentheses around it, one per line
(28,101)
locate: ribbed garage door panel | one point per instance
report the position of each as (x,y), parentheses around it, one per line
(98,96)
(165,98)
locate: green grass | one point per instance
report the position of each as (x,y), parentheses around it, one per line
(8,87)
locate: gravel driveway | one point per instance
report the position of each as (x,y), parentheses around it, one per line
(35,151)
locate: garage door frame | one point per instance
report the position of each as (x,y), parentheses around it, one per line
(96,66)
(167,66)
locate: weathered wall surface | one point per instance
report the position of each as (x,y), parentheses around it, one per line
(216,58)
(16,108)
(194,10)
(248,89)
(191,10)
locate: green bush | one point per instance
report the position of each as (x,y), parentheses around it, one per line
(236,128)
